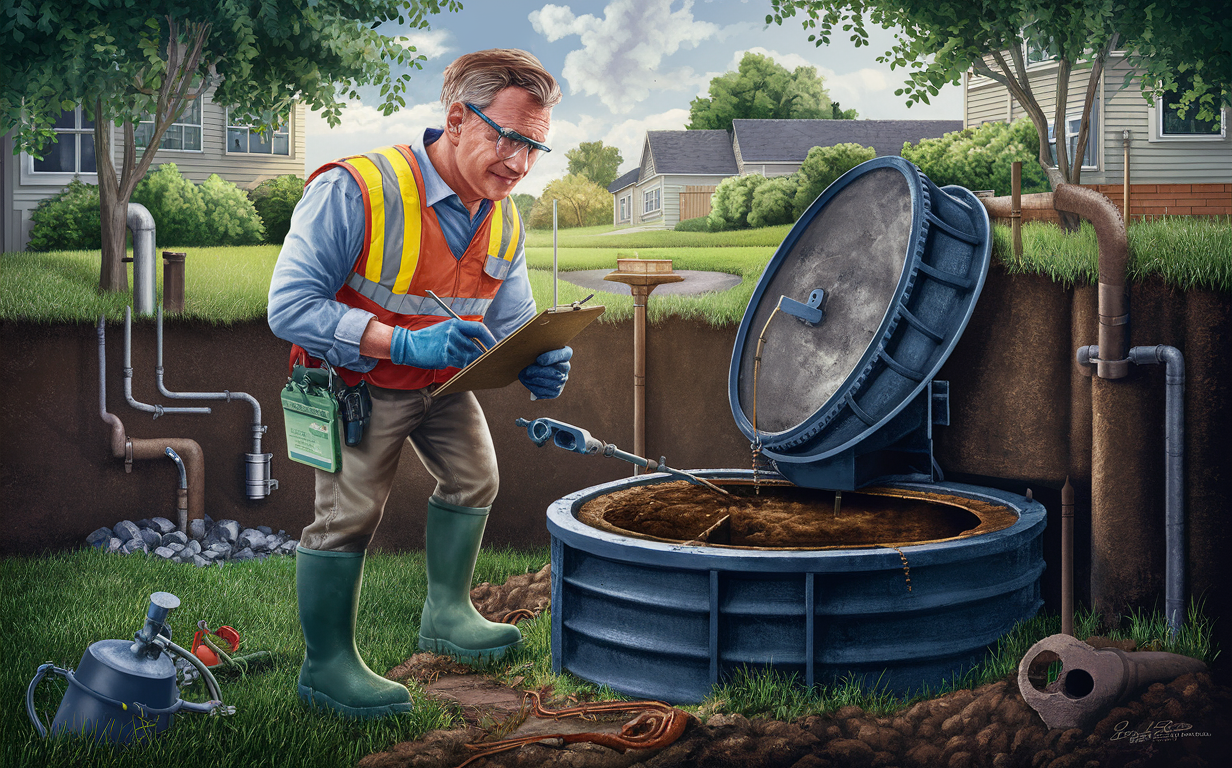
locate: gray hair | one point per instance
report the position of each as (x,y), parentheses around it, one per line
(476,78)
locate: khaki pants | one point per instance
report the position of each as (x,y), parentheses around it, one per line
(449,434)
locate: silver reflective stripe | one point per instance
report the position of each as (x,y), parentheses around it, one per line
(497,267)
(407,304)
(395,222)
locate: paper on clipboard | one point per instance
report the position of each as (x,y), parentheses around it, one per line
(500,365)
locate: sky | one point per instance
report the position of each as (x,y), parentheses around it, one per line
(625,67)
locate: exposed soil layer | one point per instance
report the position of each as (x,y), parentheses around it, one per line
(776,516)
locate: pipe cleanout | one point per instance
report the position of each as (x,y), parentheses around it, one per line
(132,449)
(141,222)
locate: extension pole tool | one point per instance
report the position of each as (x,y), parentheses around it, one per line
(578,440)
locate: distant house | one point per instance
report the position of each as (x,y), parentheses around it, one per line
(679,170)
(204,141)
(1178,165)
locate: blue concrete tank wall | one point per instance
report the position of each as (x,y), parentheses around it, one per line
(668,621)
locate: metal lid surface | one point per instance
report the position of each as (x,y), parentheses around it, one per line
(873,287)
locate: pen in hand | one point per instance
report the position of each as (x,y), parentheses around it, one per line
(454,315)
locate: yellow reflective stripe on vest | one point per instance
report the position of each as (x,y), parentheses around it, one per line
(376,212)
(396,218)
(506,231)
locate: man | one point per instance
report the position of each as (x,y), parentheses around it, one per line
(372,234)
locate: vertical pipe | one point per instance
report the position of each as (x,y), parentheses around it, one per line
(1016,206)
(1125,177)
(640,295)
(1067,558)
(555,297)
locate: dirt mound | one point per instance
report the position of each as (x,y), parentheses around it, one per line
(1184,724)
(527,591)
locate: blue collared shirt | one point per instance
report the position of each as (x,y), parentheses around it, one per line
(326,235)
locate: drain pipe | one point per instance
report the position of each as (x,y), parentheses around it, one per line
(141,223)
(157,410)
(258,482)
(181,495)
(130,449)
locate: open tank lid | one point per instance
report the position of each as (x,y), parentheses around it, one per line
(874,285)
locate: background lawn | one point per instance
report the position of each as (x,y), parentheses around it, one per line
(228,285)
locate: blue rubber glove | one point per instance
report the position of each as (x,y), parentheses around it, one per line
(547,376)
(444,345)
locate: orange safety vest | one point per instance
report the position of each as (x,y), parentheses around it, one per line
(405,255)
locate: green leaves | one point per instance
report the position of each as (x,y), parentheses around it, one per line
(594,161)
(761,88)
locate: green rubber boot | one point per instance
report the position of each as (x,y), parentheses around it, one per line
(333,676)
(450,624)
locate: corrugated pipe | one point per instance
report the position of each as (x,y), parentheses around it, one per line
(1174,465)
(129,449)
(157,410)
(1113,261)
(258,482)
(141,223)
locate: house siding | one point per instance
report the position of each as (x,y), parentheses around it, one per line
(23,190)
(1206,162)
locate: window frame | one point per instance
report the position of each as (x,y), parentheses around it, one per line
(623,208)
(229,126)
(199,125)
(655,193)
(1155,118)
(30,175)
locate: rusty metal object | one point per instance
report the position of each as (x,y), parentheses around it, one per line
(657,725)
(1067,558)
(1113,362)
(1092,681)
(1002,207)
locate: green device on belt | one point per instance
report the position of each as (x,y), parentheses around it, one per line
(314,426)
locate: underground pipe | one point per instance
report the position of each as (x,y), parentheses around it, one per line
(157,410)
(1067,558)
(132,449)
(141,223)
(181,495)
(258,482)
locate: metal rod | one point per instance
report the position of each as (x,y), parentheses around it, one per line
(838,503)
(1125,176)
(1067,558)
(454,315)
(555,297)
(640,294)
(1016,206)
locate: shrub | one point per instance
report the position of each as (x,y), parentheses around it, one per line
(274,200)
(822,166)
(700,224)
(773,202)
(176,205)
(732,201)
(230,218)
(980,158)
(69,221)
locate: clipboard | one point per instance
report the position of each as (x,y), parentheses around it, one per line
(500,365)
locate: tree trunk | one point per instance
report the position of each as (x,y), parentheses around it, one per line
(113,210)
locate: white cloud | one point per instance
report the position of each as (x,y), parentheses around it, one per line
(629,136)
(359,118)
(621,53)
(853,88)
(430,43)
(788,61)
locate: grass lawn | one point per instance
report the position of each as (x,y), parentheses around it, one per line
(54,607)
(228,285)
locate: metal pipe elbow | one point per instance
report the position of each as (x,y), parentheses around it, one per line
(139,218)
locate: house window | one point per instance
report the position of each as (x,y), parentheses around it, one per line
(651,200)
(244,138)
(184,135)
(1090,158)
(1171,123)
(72,150)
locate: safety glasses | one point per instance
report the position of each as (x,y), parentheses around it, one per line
(510,144)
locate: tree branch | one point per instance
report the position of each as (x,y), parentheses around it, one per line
(1097,69)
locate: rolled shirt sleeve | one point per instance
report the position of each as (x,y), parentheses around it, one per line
(513,306)
(326,234)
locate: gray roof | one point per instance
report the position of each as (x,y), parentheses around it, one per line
(700,152)
(767,141)
(625,180)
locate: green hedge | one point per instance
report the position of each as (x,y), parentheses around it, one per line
(274,200)
(70,221)
(980,158)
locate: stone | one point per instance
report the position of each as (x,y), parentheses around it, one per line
(243,554)
(274,541)
(100,538)
(211,555)
(175,546)
(144,523)
(222,549)
(176,537)
(126,530)
(134,545)
(287,547)
(251,538)
(230,530)
(151,538)
(114,544)
(265,529)
(200,561)
(162,525)
(193,546)
(164,552)
(196,529)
